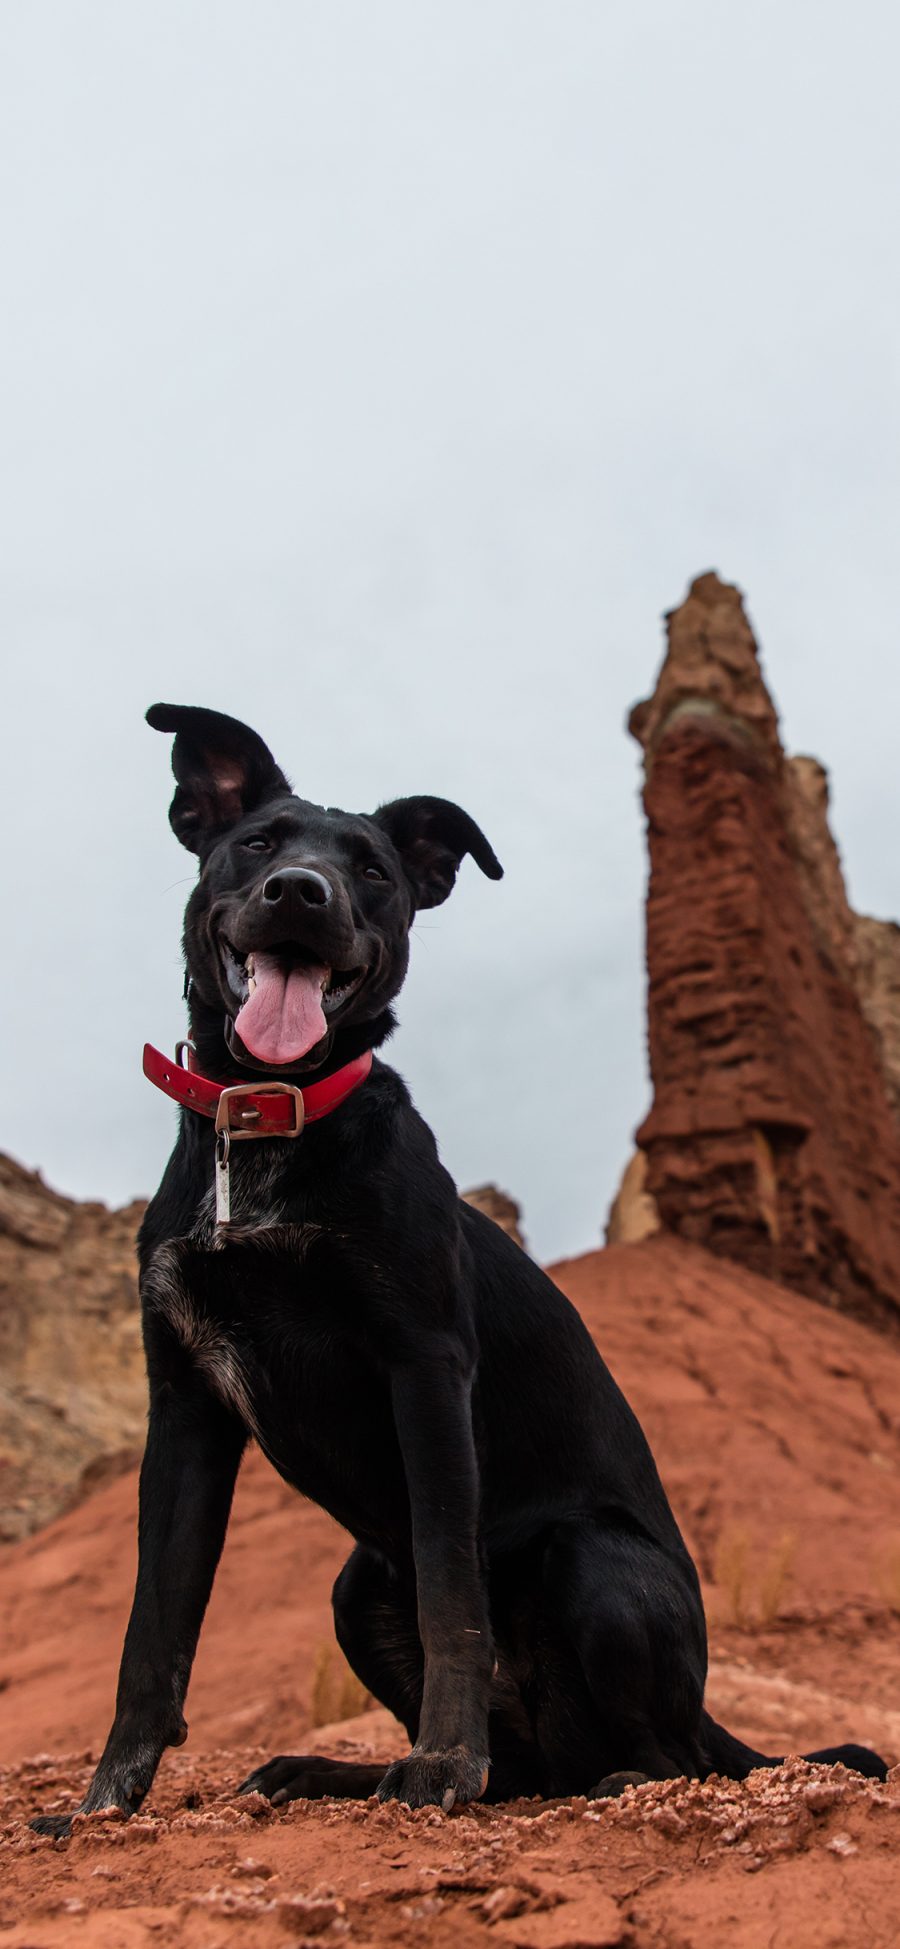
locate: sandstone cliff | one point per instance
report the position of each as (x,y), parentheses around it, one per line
(773,1011)
(868,950)
(72,1388)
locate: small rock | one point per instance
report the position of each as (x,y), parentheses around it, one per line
(841,1844)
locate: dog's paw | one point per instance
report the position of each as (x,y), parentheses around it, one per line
(614,1784)
(444,1779)
(292,1776)
(59,1826)
(117,1790)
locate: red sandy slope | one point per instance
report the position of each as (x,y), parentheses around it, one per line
(771,1418)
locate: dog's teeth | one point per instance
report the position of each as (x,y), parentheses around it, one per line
(251,985)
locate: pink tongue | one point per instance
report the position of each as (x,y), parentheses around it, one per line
(283,1018)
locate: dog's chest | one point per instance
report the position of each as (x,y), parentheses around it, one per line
(270,1319)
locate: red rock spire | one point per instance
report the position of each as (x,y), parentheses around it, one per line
(772,1137)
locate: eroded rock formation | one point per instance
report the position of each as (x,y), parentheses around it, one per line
(774,1012)
(868,949)
(878,981)
(633,1214)
(72,1387)
(499,1206)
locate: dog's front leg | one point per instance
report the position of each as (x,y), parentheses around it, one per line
(187,1480)
(432,1411)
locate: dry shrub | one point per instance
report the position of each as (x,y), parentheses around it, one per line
(775,1576)
(753,1585)
(337,1693)
(730,1571)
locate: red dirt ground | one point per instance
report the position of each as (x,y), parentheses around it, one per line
(776,1426)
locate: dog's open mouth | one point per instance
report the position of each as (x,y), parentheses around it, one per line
(287,1001)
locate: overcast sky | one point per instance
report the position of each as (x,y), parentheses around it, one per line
(379,371)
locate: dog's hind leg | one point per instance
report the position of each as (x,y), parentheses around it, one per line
(633,1613)
(621,1692)
(376,1626)
(305,1776)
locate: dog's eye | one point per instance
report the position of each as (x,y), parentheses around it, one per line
(256,845)
(372,872)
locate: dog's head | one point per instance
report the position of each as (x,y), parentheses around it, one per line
(298,928)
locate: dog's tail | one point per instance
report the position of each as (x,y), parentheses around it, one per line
(730,1757)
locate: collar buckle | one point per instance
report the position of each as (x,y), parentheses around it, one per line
(250,1121)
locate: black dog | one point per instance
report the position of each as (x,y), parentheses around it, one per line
(519,1594)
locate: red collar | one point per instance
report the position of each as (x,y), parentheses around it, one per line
(261,1109)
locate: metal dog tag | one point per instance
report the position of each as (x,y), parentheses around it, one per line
(223,1179)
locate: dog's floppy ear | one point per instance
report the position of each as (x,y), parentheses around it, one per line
(223,770)
(432,836)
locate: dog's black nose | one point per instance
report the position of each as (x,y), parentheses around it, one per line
(297,883)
